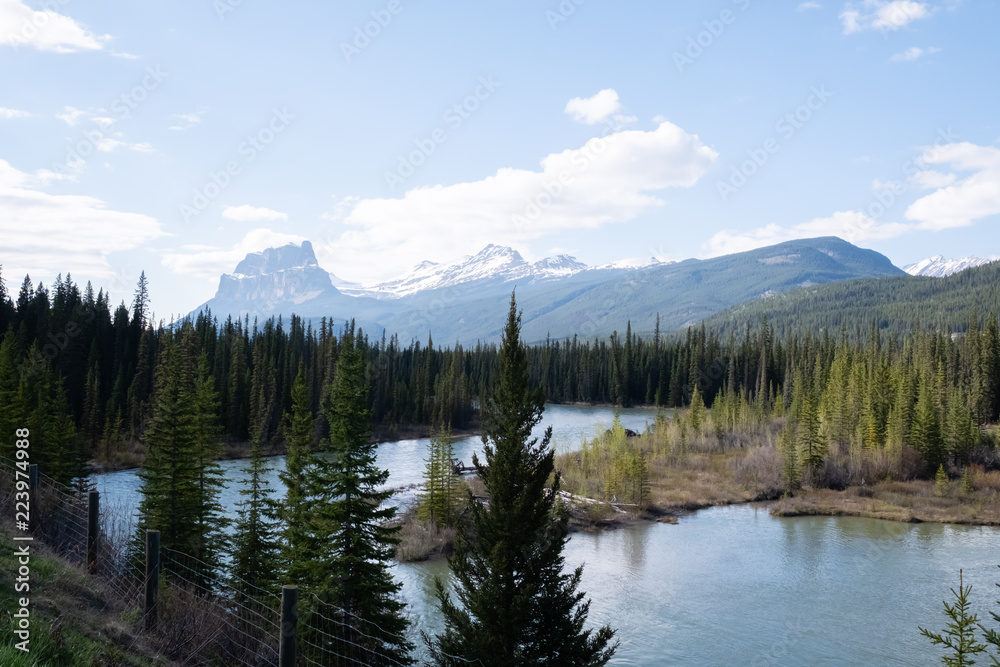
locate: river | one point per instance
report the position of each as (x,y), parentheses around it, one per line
(726,586)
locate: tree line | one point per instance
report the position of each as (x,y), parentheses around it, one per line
(82,375)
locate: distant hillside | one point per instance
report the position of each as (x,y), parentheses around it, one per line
(895,304)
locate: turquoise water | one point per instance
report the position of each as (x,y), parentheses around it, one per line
(727,586)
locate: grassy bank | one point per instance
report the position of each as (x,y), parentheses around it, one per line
(74,621)
(913,501)
(686,464)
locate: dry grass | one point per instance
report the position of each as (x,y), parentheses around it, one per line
(913,501)
(703,470)
(422,540)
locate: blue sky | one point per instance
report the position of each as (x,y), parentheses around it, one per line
(175,137)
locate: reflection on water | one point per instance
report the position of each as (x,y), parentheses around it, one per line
(726,586)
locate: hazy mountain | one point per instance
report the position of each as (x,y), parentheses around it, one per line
(939,267)
(561,297)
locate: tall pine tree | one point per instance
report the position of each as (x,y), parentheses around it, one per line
(515,606)
(349,570)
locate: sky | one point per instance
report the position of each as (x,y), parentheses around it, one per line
(174,138)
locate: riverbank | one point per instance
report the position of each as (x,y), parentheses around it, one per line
(917,501)
(134,456)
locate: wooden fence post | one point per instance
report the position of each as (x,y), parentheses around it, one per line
(93,529)
(289,623)
(152,575)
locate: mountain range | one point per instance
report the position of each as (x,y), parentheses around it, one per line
(463,301)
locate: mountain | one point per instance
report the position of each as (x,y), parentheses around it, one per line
(895,304)
(492,263)
(561,297)
(939,267)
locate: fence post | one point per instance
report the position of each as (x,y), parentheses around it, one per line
(152,575)
(289,623)
(93,529)
(33,477)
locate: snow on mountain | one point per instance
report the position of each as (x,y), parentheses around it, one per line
(636,263)
(491,263)
(289,273)
(939,267)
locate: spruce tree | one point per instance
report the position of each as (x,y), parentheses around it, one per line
(441,494)
(179,482)
(513,604)
(255,563)
(295,546)
(352,546)
(812,445)
(960,635)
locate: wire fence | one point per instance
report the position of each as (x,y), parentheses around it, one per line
(201,614)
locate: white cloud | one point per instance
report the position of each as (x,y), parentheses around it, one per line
(912,54)
(212,263)
(45,30)
(70,115)
(929,179)
(593,110)
(608,180)
(189,119)
(955,202)
(883,15)
(852,226)
(808,5)
(45,234)
(959,202)
(13,113)
(247,213)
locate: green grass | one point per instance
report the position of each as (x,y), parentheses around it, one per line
(73,623)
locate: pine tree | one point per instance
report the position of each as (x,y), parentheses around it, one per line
(179,487)
(295,546)
(926,429)
(696,416)
(941,481)
(811,443)
(255,561)
(790,473)
(348,571)
(441,493)
(960,635)
(514,604)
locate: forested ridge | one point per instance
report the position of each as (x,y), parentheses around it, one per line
(895,304)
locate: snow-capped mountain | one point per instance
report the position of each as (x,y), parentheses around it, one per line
(492,263)
(939,267)
(276,275)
